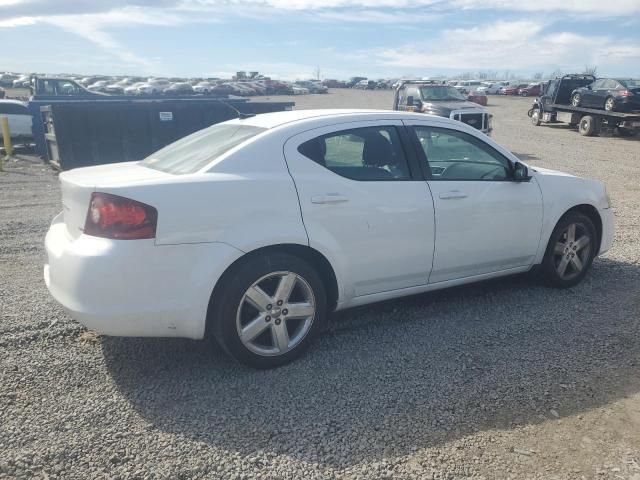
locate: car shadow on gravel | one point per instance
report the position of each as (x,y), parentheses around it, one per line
(394,377)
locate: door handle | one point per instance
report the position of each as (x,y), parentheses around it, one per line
(452,195)
(329,198)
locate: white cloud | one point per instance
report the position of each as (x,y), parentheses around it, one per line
(514,45)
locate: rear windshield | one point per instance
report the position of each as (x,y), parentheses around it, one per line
(191,153)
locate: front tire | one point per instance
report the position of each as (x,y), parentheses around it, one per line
(535,117)
(570,252)
(269,310)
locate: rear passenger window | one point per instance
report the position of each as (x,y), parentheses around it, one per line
(365,154)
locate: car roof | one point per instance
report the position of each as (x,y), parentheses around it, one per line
(277,119)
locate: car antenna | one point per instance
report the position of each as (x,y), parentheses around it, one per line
(241,115)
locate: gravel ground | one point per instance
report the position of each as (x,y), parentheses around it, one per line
(505,379)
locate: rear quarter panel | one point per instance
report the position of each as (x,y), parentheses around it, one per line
(247,200)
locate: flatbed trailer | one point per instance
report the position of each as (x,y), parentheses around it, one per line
(590,121)
(553,107)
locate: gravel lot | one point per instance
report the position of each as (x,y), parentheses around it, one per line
(505,379)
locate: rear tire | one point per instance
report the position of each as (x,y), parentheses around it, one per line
(610,104)
(587,126)
(576,99)
(525,94)
(570,251)
(268,310)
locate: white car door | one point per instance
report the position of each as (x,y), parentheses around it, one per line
(485,221)
(362,204)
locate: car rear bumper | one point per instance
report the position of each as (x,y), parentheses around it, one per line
(133,287)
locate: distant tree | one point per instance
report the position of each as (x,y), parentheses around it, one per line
(590,70)
(316,72)
(556,73)
(466,75)
(538,76)
(482,75)
(507,74)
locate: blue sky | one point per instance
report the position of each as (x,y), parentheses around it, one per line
(291,38)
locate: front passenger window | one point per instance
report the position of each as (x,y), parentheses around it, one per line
(454,155)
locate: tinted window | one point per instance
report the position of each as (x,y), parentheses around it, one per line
(597,84)
(610,84)
(454,155)
(367,154)
(195,151)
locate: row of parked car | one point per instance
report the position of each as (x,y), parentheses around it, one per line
(180,86)
(211,86)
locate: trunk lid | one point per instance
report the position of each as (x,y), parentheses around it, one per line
(78,184)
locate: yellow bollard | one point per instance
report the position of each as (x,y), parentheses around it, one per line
(6,135)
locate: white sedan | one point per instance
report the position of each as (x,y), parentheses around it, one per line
(253,230)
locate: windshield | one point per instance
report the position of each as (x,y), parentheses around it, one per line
(441,93)
(195,151)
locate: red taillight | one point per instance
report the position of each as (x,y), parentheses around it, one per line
(626,93)
(111,216)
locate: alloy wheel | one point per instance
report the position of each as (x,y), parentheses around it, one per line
(575,100)
(275,313)
(609,104)
(572,251)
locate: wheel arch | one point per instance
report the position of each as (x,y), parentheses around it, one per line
(592,213)
(309,254)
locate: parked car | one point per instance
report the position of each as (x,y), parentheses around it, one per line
(532,89)
(366,85)
(491,88)
(118,87)
(279,88)
(512,89)
(298,90)
(354,80)
(86,81)
(313,87)
(330,83)
(203,87)
(183,241)
(228,89)
(611,94)
(133,89)
(20,121)
(179,88)
(23,81)
(434,98)
(99,86)
(6,79)
(478,97)
(466,86)
(154,86)
(2,92)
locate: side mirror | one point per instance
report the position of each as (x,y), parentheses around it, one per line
(521,173)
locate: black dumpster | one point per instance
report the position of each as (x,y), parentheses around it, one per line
(80,134)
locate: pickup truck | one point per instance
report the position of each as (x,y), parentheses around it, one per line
(435,98)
